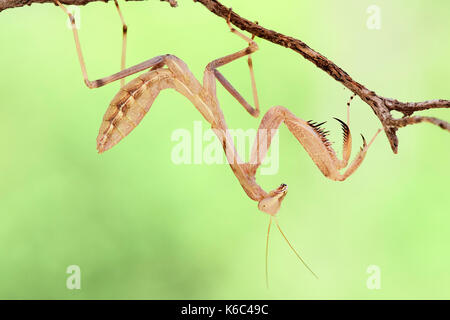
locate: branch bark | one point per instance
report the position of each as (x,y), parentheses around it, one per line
(381,106)
(8,4)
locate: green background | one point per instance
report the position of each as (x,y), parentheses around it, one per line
(141,227)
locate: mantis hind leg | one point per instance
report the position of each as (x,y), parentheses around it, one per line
(120,75)
(124,41)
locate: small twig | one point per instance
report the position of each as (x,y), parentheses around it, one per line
(410,107)
(403,122)
(173,3)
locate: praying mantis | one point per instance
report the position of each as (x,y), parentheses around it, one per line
(135,98)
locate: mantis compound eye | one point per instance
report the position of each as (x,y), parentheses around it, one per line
(272,203)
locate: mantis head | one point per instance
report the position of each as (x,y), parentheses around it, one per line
(271,204)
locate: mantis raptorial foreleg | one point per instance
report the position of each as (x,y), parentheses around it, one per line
(134,100)
(329,165)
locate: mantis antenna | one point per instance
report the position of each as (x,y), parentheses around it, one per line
(267,253)
(290,246)
(295,251)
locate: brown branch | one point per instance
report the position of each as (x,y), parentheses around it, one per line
(7,4)
(380,105)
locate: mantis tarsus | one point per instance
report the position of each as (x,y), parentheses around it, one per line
(134,100)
